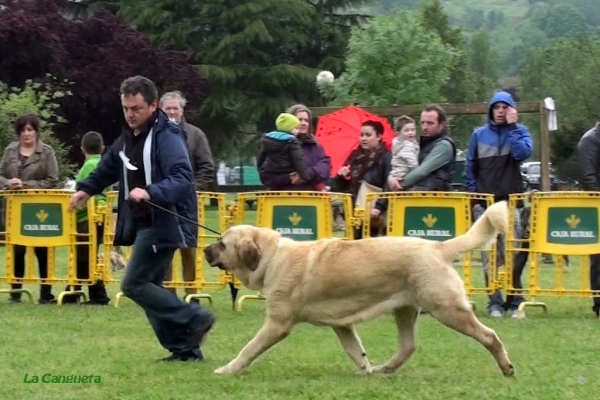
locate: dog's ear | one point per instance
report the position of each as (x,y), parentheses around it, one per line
(248,252)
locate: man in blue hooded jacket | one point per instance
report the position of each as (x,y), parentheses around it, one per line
(151,163)
(493,166)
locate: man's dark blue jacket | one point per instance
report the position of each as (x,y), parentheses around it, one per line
(171,187)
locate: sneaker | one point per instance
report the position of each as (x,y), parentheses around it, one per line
(496,314)
(47,301)
(515,314)
(14,300)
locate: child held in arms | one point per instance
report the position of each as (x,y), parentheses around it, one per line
(281,152)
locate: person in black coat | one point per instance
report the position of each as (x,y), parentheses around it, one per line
(369,166)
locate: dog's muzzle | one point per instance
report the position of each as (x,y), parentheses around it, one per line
(210,257)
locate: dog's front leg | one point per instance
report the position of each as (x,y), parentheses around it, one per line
(269,334)
(353,347)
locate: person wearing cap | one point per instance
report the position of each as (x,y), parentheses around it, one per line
(493,165)
(281,152)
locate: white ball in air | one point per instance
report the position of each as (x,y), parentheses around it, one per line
(325,77)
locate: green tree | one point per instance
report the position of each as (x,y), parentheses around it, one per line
(475,19)
(393,60)
(460,87)
(41,100)
(495,19)
(484,64)
(567,71)
(559,21)
(259,56)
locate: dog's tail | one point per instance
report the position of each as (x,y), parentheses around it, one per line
(481,234)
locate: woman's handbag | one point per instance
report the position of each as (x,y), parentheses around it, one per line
(378,223)
(363,191)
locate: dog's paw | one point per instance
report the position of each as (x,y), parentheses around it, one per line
(381,369)
(365,371)
(510,372)
(226,369)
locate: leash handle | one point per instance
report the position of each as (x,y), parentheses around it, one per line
(183,218)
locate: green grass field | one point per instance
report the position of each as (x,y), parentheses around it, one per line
(554,354)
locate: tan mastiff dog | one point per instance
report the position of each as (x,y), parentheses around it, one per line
(341,283)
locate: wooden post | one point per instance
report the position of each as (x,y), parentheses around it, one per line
(544,149)
(415,109)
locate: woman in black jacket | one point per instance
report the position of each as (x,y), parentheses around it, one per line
(368,167)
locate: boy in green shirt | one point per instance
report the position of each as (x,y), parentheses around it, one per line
(92,146)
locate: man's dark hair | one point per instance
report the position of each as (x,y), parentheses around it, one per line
(439,110)
(140,85)
(92,142)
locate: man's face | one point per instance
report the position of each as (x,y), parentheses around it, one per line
(137,112)
(429,123)
(499,113)
(172,107)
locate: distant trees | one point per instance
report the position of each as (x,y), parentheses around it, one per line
(94,57)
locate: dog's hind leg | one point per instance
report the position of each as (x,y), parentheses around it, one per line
(462,319)
(353,346)
(271,333)
(406,319)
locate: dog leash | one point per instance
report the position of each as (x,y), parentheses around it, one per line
(132,167)
(183,218)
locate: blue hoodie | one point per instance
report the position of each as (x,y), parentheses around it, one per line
(495,154)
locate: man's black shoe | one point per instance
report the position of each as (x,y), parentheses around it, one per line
(192,355)
(198,334)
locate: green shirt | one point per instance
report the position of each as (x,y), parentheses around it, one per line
(89,165)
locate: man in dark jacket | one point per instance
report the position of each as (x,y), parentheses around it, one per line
(437,155)
(151,163)
(588,154)
(493,166)
(173,104)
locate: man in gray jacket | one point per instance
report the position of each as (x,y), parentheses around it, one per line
(173,104)
(588,156)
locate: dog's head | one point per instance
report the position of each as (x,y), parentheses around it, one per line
(240,249)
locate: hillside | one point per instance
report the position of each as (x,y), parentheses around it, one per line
(514,10)
(471,13)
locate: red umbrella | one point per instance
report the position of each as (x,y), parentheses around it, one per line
(339,133)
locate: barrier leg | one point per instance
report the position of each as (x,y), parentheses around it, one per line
(22,291)
(533,284)
(79,293)
(241,300)
(532,303)
(190,297)
(117,298)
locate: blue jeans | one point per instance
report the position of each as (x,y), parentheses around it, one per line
(496,301)
(171,318)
